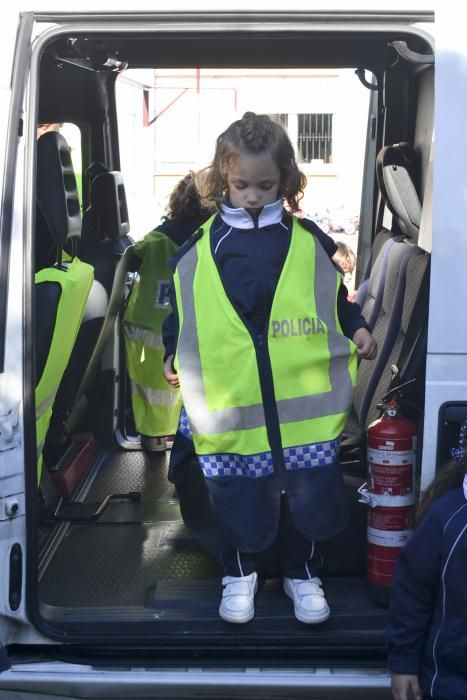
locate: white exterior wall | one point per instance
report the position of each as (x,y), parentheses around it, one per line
(192,110)
(137,151)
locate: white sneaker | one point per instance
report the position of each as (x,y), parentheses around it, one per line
(310,605)
(153,444)
(238,598)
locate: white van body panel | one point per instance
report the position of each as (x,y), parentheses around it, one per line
(80,681)
(446,374)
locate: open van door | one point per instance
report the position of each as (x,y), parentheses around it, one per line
(16,369)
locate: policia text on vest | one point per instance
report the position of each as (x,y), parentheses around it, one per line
(297,326)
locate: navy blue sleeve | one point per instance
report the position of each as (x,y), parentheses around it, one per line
(170,326)
(349,313)
(413,595)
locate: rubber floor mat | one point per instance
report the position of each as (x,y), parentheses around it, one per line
(114,565)
(123,472)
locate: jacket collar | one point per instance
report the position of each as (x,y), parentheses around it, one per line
(240,218)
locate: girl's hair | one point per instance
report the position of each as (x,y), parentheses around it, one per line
(449,477)
(186,203)
(255,133)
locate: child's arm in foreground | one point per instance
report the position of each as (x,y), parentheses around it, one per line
(412,600)
(354,325)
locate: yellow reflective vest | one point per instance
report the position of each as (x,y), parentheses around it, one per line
(75,281)
(313,366)
(156,406)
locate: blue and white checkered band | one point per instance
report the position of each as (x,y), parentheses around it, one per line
(321,454)
(184,426)
(251,466)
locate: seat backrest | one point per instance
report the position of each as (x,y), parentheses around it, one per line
(103,242)
(396,294)
(397,173)
(61,289)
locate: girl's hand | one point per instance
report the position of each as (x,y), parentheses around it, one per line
(170,375)
(366,344)
(405,687)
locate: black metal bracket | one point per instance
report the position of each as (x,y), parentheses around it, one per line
(411,56)
(74,511)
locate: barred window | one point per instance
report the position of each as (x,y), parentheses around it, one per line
(282,119)
(314,137)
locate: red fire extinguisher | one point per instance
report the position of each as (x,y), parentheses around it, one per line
(390,493)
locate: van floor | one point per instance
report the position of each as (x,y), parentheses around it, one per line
(138,558)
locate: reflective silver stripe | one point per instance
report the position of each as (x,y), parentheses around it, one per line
(339,399)
(143,335)
(155,396)
(203,421)
(44,405)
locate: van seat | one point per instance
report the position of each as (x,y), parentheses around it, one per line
(394,289)
(102,244)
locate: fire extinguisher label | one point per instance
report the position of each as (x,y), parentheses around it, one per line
(384,457)
(386,538)
(391,480)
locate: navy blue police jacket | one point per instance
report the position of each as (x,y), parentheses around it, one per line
(250,253)
(427,623)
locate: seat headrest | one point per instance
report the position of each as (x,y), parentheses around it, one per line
(108,202)
(57,193)
(397,175)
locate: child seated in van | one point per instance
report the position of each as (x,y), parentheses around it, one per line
(346,259)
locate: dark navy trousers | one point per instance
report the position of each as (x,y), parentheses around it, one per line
(298,557)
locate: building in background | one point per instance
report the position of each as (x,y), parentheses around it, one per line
(169,120)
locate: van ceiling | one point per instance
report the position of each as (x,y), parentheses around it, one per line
(244,49)
(73,67)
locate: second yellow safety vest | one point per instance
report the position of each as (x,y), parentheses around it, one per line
(156,406)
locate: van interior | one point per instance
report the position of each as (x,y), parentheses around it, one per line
(119,556)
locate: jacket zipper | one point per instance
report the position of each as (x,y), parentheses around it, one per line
(265,377)
(269,403)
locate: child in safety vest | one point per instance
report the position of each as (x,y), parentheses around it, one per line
(156,408)
(258,342)
(427,623)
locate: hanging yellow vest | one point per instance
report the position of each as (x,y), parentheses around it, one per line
(313,364)
(75,281)
(156,407)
